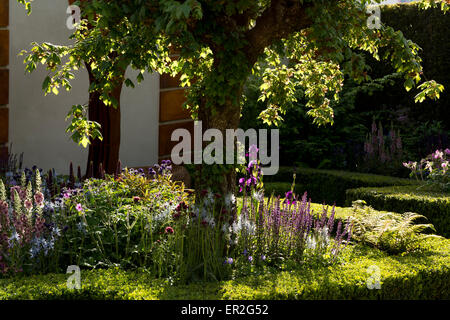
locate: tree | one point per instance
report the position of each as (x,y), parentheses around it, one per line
(312,44)
(104,152)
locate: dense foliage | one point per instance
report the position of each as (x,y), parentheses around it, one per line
(139,219)
(422,127)
(252,247)
(311,44)
(419,275)
(392,232)
(327,186)
(433,204)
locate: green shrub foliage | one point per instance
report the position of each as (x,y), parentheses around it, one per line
(434,205)
(327,186)
(417,275)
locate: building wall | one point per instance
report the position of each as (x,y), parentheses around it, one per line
(4,78)
(37,122)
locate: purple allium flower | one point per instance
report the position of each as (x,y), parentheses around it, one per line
(250,259)
(229,261)
(263,257)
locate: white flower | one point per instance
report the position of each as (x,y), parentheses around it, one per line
(226,228)
(311,243)
(165,214)
(210,220)
(259,196)
(242,224)
(230,200)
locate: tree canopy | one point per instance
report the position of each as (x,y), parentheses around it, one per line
(311,44)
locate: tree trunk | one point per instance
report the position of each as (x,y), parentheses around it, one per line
(225,117)
(104,152)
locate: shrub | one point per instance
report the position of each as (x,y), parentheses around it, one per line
(287,230)
(392,232)
(434,205)
(257,231)
(127,221)
(327,186)
(424,275)
(382,154)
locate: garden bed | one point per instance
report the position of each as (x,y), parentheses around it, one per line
(417,275)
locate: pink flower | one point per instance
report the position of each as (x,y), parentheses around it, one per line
(28,205)
(438,154)
(169,230)
(79,207)
(3,207)
(447,151)
(39,198)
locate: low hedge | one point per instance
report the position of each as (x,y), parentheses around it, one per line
(417,275)
(327,186)
(433,205)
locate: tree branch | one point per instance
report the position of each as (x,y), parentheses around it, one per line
(279,20)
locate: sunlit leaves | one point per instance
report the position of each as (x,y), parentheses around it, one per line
(211,40)
(83,130)
(430,89)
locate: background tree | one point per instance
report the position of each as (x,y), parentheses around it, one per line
(313,44)
(104,151)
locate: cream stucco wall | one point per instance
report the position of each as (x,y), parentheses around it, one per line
(37,122)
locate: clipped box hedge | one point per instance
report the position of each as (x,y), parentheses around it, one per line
(327,186)
(419,275)
(433,205)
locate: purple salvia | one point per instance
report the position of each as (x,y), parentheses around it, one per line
(338,231)
(330,224)
(324,216)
